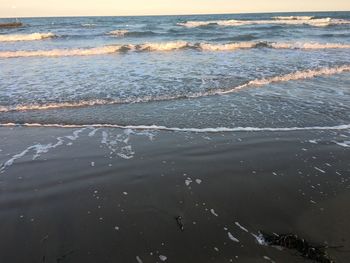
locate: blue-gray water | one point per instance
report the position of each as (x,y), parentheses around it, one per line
(250,70)
(89,194)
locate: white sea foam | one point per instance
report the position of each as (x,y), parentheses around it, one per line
(345,144)
(162,258)
(39,149)
(93,132)
(260,239)
(88,25)
(26,37)
(227,47)
(188,181)
(61,52)
(60,105)
(119,33)
(103,50)
(293,17)
(213,212)
(167,46)
(232,237)
(177,129)
(241,227)
(297,75)
(317,22)
(162,46)
(118,144)
(320,170)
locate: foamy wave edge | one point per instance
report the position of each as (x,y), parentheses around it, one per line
(317,22)
(119,33)
(168,46)
(293,17)
(294,76)
(176,129)
(26,37)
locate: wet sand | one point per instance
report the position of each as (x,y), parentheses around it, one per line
(112,195)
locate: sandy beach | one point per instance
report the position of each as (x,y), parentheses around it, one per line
(113,195)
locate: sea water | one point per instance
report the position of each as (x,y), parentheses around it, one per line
(189,72)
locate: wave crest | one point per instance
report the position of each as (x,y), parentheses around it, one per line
(230,46)
(168,46)
(26,37)
(119,33)
(293,17)
(297,75)
(317,22)
(60,52)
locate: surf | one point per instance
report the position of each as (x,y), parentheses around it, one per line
(316,22)
(169,46)
(26,37)
(256,83)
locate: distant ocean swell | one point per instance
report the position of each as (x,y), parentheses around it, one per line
(278,20)
(296,20)
(168,46)
(124,33)
(297,75)
(44,36)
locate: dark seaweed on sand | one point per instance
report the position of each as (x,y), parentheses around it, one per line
(63,257)
(307,250)
(179,221)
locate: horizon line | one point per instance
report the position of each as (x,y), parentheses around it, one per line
(184,14)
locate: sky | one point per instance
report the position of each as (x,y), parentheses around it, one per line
(42,8)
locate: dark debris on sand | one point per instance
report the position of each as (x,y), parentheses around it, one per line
(179,221)
(307,250)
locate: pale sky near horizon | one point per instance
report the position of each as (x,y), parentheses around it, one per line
(32,8)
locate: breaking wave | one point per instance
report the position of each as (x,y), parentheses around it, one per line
(317,22)
(293,17)
(176,129)
(26,37)
(61,52)
(119,33)
(297,75)
(167,46)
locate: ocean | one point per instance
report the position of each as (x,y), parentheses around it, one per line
(200,138)
(207,71)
